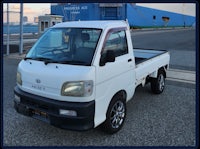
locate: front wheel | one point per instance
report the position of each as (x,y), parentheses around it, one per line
(158,84)
(115,115)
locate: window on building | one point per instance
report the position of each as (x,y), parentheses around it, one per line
(166,19)
(111,12)
(44,25)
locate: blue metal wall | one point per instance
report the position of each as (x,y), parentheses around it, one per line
(147,17)
(137,15)
(80,11)
(89,11)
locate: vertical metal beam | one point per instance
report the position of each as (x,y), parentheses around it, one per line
(21,29)
(183,15)
(8,32)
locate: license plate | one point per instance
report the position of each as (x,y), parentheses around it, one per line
(40,113)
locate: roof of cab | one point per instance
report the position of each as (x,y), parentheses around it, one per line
(92,24)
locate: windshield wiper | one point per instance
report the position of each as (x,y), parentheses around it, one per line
(74,62)
(28,58)
(37,58)
(50,61)
(45,59)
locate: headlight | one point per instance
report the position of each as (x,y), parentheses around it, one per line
(77,89)
(19,79)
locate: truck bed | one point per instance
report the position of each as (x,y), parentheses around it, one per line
(142,55)
(148,61)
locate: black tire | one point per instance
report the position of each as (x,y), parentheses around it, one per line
(115,116)
(158,84)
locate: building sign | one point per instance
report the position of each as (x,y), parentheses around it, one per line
(74,11)
(75,8)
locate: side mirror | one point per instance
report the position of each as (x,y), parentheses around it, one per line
(109,56)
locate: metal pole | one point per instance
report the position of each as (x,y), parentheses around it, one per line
(183,16)
(8,34)
(21,29)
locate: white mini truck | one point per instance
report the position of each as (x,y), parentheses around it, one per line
(81,74)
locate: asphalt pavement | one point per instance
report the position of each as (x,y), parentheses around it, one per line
(181,43)
(168,119)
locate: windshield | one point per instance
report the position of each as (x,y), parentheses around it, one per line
(74,46)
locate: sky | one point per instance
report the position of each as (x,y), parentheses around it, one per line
(182,8)
(31,10)
(34,10)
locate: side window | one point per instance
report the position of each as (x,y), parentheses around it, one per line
(116,42)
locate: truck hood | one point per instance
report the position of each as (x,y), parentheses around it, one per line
(47,80)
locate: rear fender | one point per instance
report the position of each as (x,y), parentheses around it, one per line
(154,74)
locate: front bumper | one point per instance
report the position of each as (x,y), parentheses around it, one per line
(47,110)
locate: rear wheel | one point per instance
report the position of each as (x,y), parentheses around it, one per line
(158,84)
(116,115)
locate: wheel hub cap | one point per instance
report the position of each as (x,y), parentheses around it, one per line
(161,82)
(117,114)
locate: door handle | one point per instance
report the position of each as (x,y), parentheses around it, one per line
(129,60)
